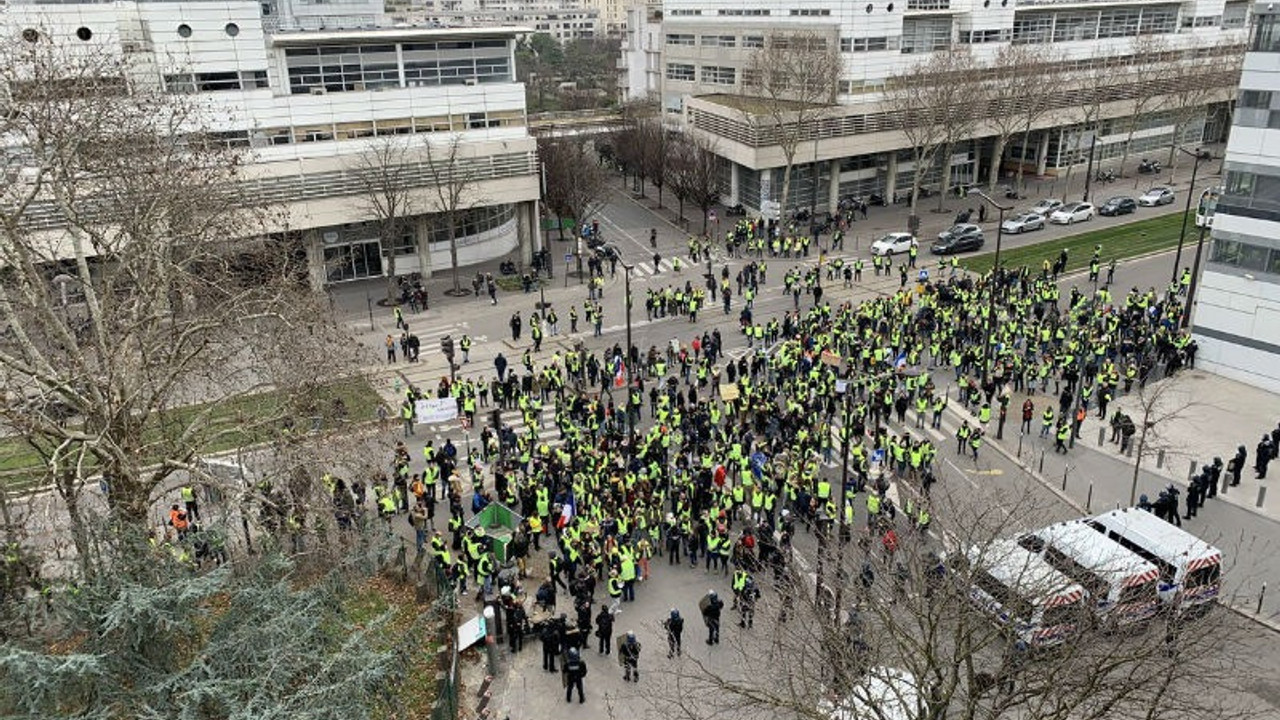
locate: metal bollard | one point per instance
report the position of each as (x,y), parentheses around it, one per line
(1020,436)
(1041,462)
(1261,594)
(1262,495)
(1128,449)
(1088,500)
(1226,483)
(1065,470)
(1102,436)
(1160,459)
(1192,471)
(490,648)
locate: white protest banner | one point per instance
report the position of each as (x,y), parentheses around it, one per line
(434,410)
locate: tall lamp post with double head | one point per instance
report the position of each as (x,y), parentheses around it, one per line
(991,291)
(631,423)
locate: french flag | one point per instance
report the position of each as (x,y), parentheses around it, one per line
(566,511)
(901,362)
(620,373)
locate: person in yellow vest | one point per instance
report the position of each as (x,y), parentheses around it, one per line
(188,493)
(614,587)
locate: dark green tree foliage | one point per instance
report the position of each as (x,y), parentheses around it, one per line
(158,642)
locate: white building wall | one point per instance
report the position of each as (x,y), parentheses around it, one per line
(1236,314)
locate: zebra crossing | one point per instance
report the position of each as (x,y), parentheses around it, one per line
(667,266)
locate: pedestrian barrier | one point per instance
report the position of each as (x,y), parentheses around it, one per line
(1262,495)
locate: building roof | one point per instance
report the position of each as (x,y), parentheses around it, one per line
(391,34)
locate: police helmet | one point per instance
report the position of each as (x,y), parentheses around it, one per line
(573,653)
(675,613)
(711,593)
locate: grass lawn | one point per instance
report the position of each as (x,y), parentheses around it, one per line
(233,423)
(1119,242)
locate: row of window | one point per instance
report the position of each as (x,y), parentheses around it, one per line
(1245,256)
(868,44)
(711,74)
(1039,28)
(216,81)
(266,137)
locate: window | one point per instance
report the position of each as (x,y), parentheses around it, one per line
(1158,20)
(184,31)
(811,12)
(1032,29)
(686,12)
(928,4)
(740,12)
(1266,34)
(926,34)
(725,41)
(846,44)
(753,41)
(871,44)
(1070,27)
(718,75)
(1235,15)
(232,29)
(1119,22)
(1254,99)
(84,34)
(216,81)
(679,39)
(680,71)
(976,37)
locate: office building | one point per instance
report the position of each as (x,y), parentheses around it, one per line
(308,88)
(1099,54)
(1236,310)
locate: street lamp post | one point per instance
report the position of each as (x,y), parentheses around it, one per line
(1182,234)
(631,423)
(991,294)
(1195,277)
(845,438)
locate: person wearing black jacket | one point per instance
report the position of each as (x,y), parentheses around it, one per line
(674,625)
(604,629)
(550,637)
(711,606)
(575,668)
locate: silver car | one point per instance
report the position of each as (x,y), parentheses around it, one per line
(1025,222)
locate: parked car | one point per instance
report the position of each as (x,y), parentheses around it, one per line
(1023,223)
(1118,206)
(1044,207)
(958,238)
(1156,196)
(1073,213)
(893,243)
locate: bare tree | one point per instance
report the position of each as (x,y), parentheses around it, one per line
(1038,81)
(385,176)
(1147,50)
(453,190)
(176,321)
(1198,77)
(916,640)
(575,185)
(694,174)
(652,150)
(1087,112)
(934,104)
(787,88)
(1009,95)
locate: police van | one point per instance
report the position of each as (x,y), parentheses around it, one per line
(1122,584)
(1190,568)
(1040,605)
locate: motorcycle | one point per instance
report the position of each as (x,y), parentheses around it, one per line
(1148,167)
(1105,176)
(876,199)
(735,211)
(507,268)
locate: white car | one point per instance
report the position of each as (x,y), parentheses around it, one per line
(893,243)
(1156,196)
(1075,212)
(1044,207)
(1023,223)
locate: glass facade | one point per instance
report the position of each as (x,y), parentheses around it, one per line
(339,68)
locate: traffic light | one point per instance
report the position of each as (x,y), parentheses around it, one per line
(446,346)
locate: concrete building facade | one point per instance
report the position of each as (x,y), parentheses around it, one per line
(857,150)
(308,103)
(1236,310)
